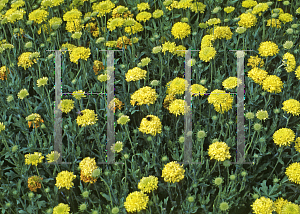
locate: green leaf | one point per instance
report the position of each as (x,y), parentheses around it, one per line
(105,196)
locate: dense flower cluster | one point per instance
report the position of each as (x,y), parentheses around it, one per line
(136,201)
(88,117)
(65,179)
(145,95)
(87,166)
(263,205)
(181,30)
(219,151)
(135,74)
(284,137)
(221,100)
(293,172)
(291,106)
(173,172)
(148,184)
(152,126)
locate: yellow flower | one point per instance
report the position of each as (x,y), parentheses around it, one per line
(229,9)
(207,41)
(221,100)
(181,30)
(157,13)
(197,88)
(42,81)
(279,204)
(213,21)
(136,201)
(117,147)
(262,115)
(34,118)
(145,95)
(255,61)
(66,105)
(143,16)
(148,184)
(64,179)
(247,20)
(34,182)
(72,15)
(263,205)
(178,107)
(123,119)
(4,71)
(180,53)
(74,26)
(51,3)
(268,48)
(286,17)
(78,94)
(25,61)
(297,144)
(134,29)
(274,23)
(61,209)
(257,75)
(290,208)
(198,7)
(231,82)
(87,166)
(259,8)
(290,62)
(283,137)
(53,157)
(293,172)
(135,74)
(184,4)
(222,32)
(272,84)
(207,53)
(79,53)
(291,106)
(143,6)
(169,46)
(2,127)
(297,72)
(112,24)
(103,7)
(12,15)
(22,94)
(34,159)
(219,151)
(249,3)
(151,127)
(17,4)
(88,117)
(38,16)
(177,86)
(173,172)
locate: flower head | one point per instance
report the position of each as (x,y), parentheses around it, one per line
(268,48)
(197,89)
(66,105)
(34,182)
(293,172)
(148,184)
(123,119)
(79,53)
(231,82)
(272,84)
(135,74)
(87,166)
(263,205)
(283,137)
(53,156)
(61,209)
(136,201)
(64,179)
(178,106)
(247,20)
(117,147)
(262,115)
(78,94)
(152,126)
(42,81)
(34,159)
(207,53)
(173,172)
(181,30)
(219,151)
(88,117)
(145,95)
(221,100)
(291,106)
(38,16)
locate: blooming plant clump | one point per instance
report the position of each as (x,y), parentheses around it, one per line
(157,106)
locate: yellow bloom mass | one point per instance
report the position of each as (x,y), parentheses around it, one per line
(34,159)
(247,20)
(263,205)
(293,172)
(272,84)
(222,32)
(268,48)
(173,172)
(181,30)
(291,106)
(221,100)
(289,62)
(207,53)
(283,137)
(79,53)
(152,126)
(135,74)
(145,95)
(64,179)
(88,117)
(219,151)
(257,75)
(136,201)
(38,16)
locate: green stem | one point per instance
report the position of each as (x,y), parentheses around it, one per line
(129,138)
(155,202)
(108,191)
(48,195)
(281,149)
(251,141)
